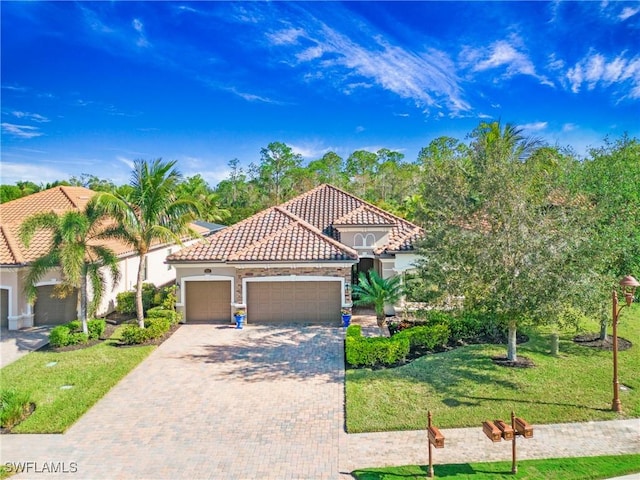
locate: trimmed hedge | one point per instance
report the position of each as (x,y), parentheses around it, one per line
(425,336)
(373,351)
(354,331)
(71,333)
(161,312)
(154,328)
(126,301)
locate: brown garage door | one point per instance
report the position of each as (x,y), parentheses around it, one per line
(316,302)
(4,308)
(208,301)
(50,310)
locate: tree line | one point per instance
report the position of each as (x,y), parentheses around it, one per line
(529,232)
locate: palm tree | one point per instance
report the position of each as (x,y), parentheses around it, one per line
(75,248)
(373,289)
(149,213)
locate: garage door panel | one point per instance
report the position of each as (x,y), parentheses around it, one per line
(51,310)
(304,301)
(208,301)
(4,307)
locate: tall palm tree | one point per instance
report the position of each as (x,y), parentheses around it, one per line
(76,249)
(373,289)
(149,213)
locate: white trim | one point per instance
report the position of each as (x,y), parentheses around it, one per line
(202,278)
(292,278)
(52,281)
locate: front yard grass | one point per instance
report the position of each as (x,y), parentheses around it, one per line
(47,375)
(582,468)
(463,387)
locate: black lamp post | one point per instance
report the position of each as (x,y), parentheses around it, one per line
(629,285)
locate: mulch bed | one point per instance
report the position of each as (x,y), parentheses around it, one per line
(592,340)
(108,331)
(522,362)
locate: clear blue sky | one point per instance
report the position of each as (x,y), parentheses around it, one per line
(88,87)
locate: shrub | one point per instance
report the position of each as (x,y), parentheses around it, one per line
(161,312)
(126,301)
(354,331)
(373,351)
(154,328)
(96,328)
(426,337)
(59,336)
(14,407)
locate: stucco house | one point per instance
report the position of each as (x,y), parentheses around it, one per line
(15,311)
(294,262)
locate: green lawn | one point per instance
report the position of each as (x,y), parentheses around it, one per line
(91,373)
(463,387)
(582,468)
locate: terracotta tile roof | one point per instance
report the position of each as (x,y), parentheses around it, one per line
(302,229)
(58,200)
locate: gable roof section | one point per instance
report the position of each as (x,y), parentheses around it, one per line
(273,235)
(327,207)
(58,200)
(302,229)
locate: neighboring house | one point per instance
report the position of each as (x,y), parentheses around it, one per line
(16,312)
(292,262)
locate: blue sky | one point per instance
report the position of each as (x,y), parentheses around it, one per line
(88,87)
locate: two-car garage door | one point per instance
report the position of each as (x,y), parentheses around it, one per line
(303,301)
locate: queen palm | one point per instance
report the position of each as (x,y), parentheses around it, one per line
(373,289)
(75,249)
(149,213)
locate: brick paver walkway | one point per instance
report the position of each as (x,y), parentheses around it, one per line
(264,402)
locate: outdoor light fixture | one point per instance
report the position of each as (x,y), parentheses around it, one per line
(629,285)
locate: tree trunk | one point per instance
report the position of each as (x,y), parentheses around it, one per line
(604,323)
(511,342)
(380,319)
(139,305)
(83,302)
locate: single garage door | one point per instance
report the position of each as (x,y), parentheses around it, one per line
(208,301)
(316,302)
(50,310)
(4,308)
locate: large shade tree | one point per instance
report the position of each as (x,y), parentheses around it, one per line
(150,213)
(493,236)
(77,249)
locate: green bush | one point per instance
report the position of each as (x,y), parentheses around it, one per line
(374,351)
(154,328)
(96,328)
(14,407)
(161,312)
(126,301)
(59,336)
(425,336)
(354,331)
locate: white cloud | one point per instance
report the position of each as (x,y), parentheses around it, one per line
(21,131)
(535,126)
(12,172)
(428,77)
(568,127)
(628,12)
(128,162)
(31,116)
(595,70)
(138,26)
(502,54)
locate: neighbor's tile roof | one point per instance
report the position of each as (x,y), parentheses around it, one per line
(301,229)
(58,200)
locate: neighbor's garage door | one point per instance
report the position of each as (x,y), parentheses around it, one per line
(50,310)
(208,301)
(293,301)
(4,307)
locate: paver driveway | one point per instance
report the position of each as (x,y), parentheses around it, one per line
(211,402)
